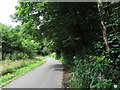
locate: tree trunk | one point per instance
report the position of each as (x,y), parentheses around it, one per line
(104,29)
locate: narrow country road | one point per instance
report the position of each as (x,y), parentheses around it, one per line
(49,75)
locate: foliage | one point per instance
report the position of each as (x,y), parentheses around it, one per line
(93,72)
(15,56)
(53,55)
(72,34)
(112,23)
(74,30)
(17,45)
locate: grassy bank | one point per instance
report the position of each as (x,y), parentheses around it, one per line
(11,70)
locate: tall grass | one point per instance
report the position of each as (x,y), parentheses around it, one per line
(9,66)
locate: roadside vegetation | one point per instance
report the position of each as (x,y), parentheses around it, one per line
(11,70)
(84,36)
(20,54)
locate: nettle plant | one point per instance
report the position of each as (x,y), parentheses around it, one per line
(105,77)
(101,82)
(93,72)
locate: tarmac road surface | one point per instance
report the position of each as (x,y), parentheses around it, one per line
(49,75)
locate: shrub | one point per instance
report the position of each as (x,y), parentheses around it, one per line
(93,72)
(14,56)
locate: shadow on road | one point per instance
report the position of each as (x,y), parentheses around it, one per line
(57,67)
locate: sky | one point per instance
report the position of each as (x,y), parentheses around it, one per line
(7,8)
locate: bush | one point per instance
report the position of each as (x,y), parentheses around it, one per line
(53,55)
(15,56)
(93,72)
(16,44)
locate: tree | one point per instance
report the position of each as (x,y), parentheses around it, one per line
(104,31)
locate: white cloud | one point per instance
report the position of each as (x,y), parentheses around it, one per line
(7,8)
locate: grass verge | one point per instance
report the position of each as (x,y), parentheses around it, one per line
(24,66)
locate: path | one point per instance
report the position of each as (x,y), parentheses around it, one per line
(49,75)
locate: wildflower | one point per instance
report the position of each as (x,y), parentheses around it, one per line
(8,73)
(102,80)
(115,86)
(99,76)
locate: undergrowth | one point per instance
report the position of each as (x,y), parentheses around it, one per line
(94,72)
